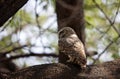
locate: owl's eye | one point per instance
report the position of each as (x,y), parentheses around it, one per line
(63,35)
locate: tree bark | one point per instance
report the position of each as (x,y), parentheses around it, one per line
(108,70)
(8,8)
(70,14)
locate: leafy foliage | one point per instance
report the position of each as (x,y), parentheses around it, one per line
(101,18)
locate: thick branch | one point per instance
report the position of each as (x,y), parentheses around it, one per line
(8,8)
(108,70)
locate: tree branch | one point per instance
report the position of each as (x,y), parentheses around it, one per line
(28,55)
(107,70)
(14,49)
(111,23)
(8,8)
(105,49)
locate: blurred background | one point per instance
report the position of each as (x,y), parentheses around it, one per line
(30,36)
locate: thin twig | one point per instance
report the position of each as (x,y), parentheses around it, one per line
(105,49)
(116,12)
(14,49)
(28,55)
(111,23)
(105,32)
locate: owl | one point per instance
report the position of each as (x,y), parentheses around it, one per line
(71,49)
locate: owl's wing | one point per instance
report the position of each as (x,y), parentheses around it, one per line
(64,44)
(74,49)
(78,52)
(79,47)
(76,57)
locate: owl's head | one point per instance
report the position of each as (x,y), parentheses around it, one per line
(65,32)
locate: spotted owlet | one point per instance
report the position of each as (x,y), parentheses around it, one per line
(71,48)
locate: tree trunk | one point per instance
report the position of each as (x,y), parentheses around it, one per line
(8,8)
(70,14)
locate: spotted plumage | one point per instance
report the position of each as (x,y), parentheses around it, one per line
(71,48)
